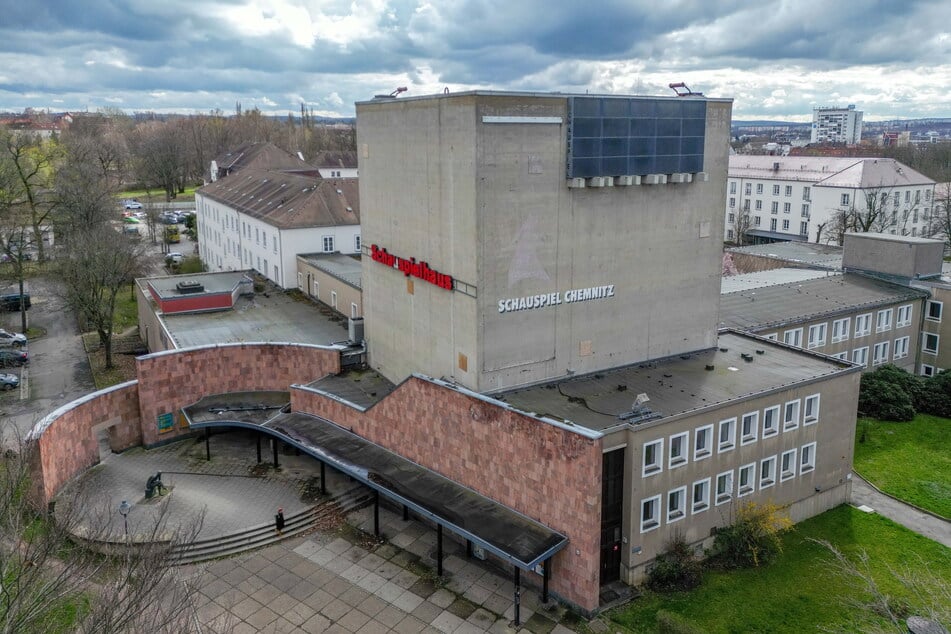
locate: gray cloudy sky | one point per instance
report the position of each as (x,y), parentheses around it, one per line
(776,58)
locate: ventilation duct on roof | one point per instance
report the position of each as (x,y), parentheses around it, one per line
(190,286)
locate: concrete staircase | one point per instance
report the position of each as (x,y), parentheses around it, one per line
(263,535)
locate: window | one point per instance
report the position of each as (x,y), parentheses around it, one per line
(774,207)
(701,496)
(767,472)
(841,356)
(676,504)
(927,370)
(897,199)
(805,193)
(860,356)
(927,194)
(793,337)
(333,299)
(788,190)
(787,465)
(678,450)
(880,353)
(732,187)
(803,228)
(775,190)
(257,236)
(807,458)
(787,208)
(264,239)
(756,221)
(328,244)
(356,243)
(908,196)
(354,311)
(747,473)
(844,200)
(749,425)
(772,224)
(929,342)
(883,321)
(275,242)
(729,233)
(811,414)
(653,457)
(770,421)
(702,442)
(748,189)
(791,415)
(785,225)
(759,205)
(724,487)
(901,348)
(733,203)
(863,325)
(805,210)
(759,188)
(817,336)
(933,310)
(300,281)
(731,218)
(727,438)
(316,289)
(840,330)
(277,274)
(650,514)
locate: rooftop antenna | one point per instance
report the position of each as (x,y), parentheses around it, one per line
(392,95)
(683,91)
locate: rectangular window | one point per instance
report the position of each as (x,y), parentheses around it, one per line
(901,348)
(731,218)
(883,321)
(880,353)
(701,496)
(803,228)
(759,205)
(732,187)
(844,200)
(787,465)
(805,210)
(811,414)
(257,236)
(908,196)
(807,458)
(793,337)
(897,199)
(356,243)
(788,190)
(767,472)
(927,370)
(678,450)
(785,225)
(929,342)
(264,239)
(676,505)
(805,193)
(772,224)
(650,514)
(775,190)
(759,188)
(841,356)
(770,421)
(756,221)
(747,473)
(860,356)
(863,325)
(933,310)
(732,203)
(727,437)
(774,207)
(653,457)
(772,336)
(787,208)
(328,242)
(840,330)
(749,426)
(817,336)
(748,189)
(333,299)
(703,442)
(354,312)
(724,487)
(791,415)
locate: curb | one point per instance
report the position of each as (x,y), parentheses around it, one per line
(901,501)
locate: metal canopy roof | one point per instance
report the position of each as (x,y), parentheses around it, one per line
(487,523)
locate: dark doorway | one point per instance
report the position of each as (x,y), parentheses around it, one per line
(612,506)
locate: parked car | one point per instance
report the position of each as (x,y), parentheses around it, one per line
(13,358)
(174,258)
(132,204)
(9,381)
(14,339)
(12,301)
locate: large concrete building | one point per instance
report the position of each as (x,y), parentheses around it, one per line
(836,125)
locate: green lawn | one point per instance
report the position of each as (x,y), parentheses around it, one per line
(911,461)
(127,312)
(158,196)
(799,593)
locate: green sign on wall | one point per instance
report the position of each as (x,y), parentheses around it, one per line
(166,422)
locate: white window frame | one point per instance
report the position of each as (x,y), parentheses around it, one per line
(767,472)
(817,335)
(903,316)
(771,415)
(300,281)
(728,424)
(841,356)
(316,289)
(880,353)
(902,345)
(883,320)
(810,410)
(749,472)
(357,245)
(791,422)
(795,339)
(773,336)
(333,299)
(751,420)
(927,370)
(928,310)
(680,510)
(840,330)
(653,522)
(807,458)
(678,461)
(775,190)
(704,503)
(925,338)
(657,465)
(706,432)
(860,356)
(354,310)
(863,325)
(788,456)
(727,495)
(326,241)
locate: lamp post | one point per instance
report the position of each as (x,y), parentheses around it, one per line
(124,508)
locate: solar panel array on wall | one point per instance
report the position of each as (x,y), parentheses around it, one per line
(617,136)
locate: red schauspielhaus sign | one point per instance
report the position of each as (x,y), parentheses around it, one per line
(410,267)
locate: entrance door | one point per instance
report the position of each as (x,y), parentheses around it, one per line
(612,505)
